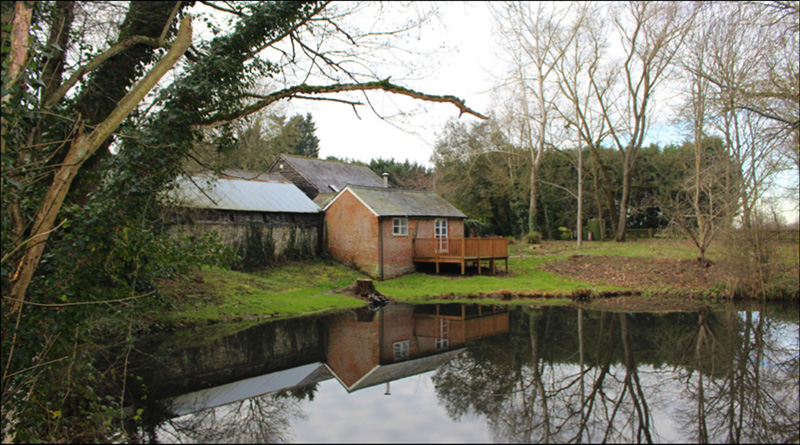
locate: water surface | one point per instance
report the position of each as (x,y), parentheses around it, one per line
(469,373)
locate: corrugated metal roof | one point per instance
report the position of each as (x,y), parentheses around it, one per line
(401,202)
(252,176)
(332,176)
(235,194)
(247,388)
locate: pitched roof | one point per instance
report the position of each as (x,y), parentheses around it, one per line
(252,176)
(206,192)
(396,371)
(244,389)
(330,176)
(384,201)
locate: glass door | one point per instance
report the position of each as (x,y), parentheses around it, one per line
(440,233)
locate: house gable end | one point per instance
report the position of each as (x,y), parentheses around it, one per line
(355,195)
(291,173)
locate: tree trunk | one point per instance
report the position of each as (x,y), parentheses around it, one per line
(608,189)
(364,288)
(82,148)
(532,210)
(111,81)
(623,203)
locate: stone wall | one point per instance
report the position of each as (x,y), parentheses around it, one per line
(288,234)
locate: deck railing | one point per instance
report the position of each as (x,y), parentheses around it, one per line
(469,248)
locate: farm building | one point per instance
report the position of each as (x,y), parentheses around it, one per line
(384,231)
(264,207)
(320,179)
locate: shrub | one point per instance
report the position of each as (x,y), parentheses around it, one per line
(533,238)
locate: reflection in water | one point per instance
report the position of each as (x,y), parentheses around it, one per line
(259,419)
(541,375)
(716,377)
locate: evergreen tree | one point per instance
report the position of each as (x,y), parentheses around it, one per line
(306,142)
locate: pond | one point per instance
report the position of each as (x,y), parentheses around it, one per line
(470,373)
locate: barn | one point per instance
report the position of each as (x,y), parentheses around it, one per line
(319,179)
(241,206)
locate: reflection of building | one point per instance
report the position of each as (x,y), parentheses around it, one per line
(401,341)
(363,351)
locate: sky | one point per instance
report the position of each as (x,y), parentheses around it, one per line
(466,66)
(463,27)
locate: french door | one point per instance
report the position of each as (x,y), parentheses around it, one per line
(440,233)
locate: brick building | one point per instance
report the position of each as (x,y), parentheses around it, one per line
(375,227)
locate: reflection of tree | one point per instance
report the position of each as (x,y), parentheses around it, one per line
(731,377)
(528,397)
(262,419)
(736,400)
(617,405)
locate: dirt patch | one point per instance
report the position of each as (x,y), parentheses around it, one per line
(675,283)
(686,277)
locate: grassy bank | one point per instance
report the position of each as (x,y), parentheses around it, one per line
(213,295)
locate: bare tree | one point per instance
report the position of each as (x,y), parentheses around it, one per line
(704,205)
(573,70)
(753,74)
(535,42)
(650,34)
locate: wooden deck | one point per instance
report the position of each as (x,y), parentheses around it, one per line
(461,251)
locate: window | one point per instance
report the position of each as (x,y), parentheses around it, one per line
(440,233)
(443,337)
(400,226)
(440,228)
(401,350)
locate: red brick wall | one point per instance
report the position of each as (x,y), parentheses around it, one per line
(353,347)
(353,236)
(353,233)
(396,249)
(398,325)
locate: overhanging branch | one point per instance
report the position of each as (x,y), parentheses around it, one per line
(299,90)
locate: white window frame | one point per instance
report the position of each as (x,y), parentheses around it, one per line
(443,337)
(401,350)
(440,228)
(400,226)
(440,233)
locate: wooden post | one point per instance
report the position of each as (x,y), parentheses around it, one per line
(462,257)
(463,323)
(480,244)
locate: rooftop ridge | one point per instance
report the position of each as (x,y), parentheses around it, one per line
(389,188)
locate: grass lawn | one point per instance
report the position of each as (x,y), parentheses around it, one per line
(213,294)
